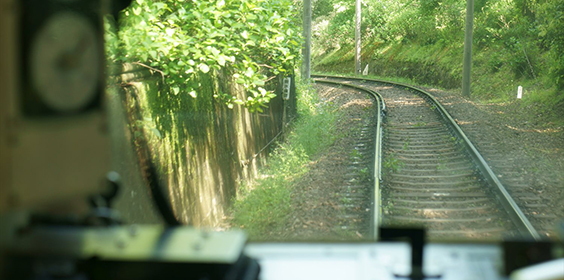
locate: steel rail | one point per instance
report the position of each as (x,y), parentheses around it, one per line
(380,104)
(510,206)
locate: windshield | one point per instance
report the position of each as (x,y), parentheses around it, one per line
(216,124)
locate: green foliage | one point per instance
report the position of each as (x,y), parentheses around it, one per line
(148,124)
(551,33)
(181,39)
(516,42)
(262,207)
(392,164)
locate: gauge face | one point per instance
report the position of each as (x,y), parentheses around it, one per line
(64,62)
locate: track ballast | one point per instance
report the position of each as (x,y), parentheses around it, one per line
(432,175)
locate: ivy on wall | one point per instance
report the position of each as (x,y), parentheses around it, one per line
(181,39)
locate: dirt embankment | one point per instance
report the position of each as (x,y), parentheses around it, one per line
(317,197)
(523,148)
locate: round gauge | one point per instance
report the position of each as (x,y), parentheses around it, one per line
(64,62)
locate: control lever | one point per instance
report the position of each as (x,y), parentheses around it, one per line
(416,239)
(106,198)
(102,212)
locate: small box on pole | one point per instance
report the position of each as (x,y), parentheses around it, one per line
(286,83)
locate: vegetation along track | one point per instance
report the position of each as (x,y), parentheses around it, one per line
(432,174)
(355,194)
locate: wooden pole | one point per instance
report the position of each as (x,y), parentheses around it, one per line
(467,63)
(357,62)
(306,64)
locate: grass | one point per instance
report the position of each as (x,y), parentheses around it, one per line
(420,124)
(262,207)
(392,164)
(442,165)
(364,175)
(402,80)
(406,144)
(441,70)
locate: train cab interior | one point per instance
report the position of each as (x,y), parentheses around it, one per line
(58,185)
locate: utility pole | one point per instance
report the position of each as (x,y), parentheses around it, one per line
(357,62)
(306,64)
(467,63)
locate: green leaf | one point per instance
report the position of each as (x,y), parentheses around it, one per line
(221,60)
(157,133)
(258,82)
(175,90)
(204,68)
(215,51)
(250,72)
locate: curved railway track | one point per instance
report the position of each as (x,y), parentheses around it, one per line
(428,173)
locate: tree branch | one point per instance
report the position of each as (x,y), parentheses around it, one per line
(264,65)
(270,78)
(151,68)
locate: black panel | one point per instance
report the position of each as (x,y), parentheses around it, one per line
(34,14)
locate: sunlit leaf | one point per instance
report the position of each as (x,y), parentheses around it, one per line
(156,132)
(221,60)
(249,72)
(258,82)
(204,68)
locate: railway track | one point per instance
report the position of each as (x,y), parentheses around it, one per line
(428,173)
(354,195)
